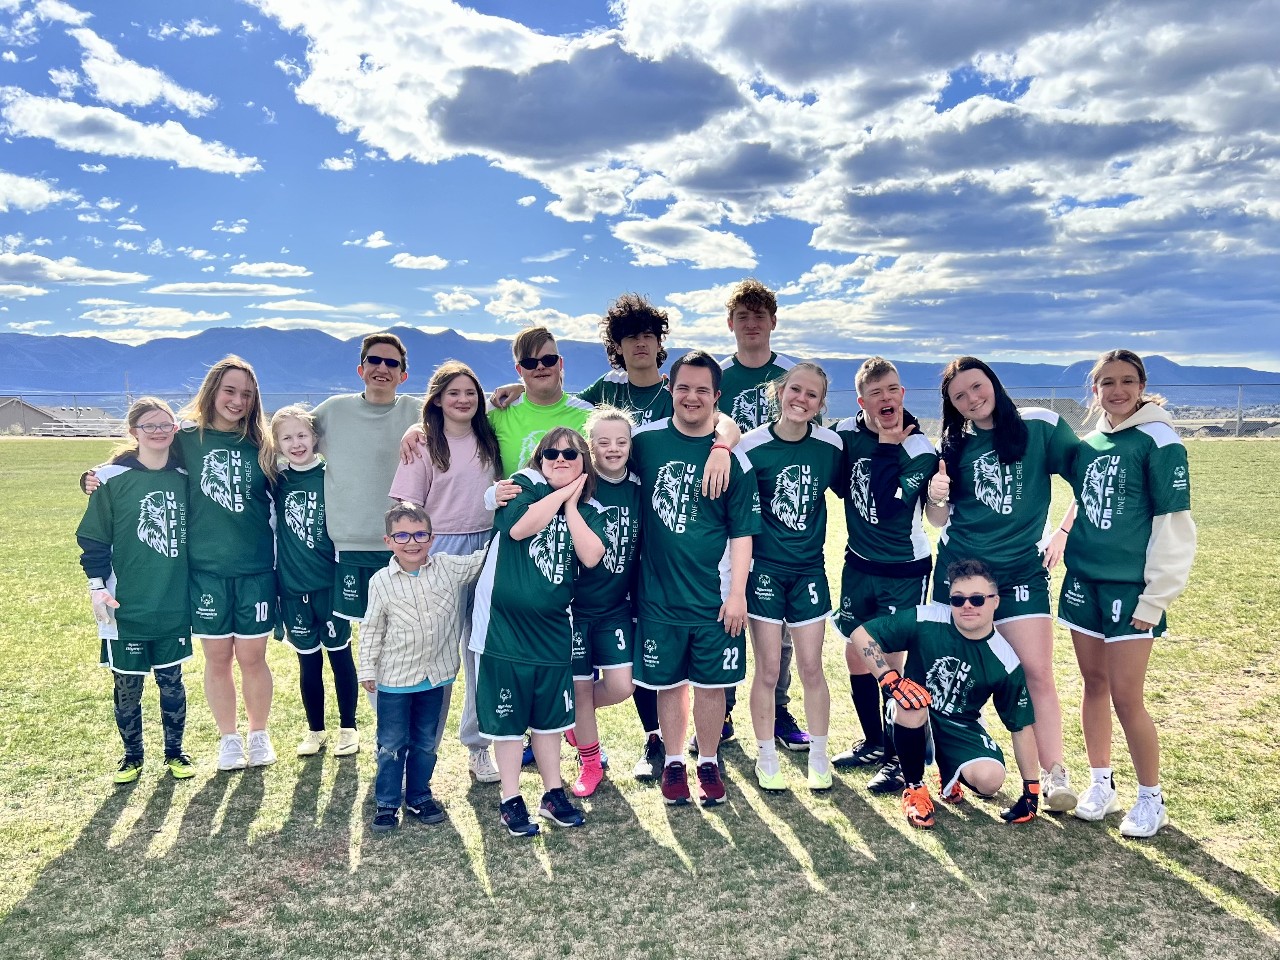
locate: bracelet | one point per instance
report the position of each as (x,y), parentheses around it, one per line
(721,445)
(95,583)
(936,503)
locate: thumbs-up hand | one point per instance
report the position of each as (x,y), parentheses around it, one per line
(940,485)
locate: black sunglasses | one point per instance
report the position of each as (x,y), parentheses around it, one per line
(531,363)
(391,362)
(978,599)
(555,453)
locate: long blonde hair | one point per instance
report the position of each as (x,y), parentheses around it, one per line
(128,447)
(253,425)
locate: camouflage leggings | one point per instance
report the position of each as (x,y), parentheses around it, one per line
(173,709)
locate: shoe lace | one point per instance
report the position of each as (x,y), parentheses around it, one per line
(1145,808)
(708,773)
(675,772)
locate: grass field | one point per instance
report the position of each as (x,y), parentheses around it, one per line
(280,863)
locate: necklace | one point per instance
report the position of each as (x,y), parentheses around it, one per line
(643,411)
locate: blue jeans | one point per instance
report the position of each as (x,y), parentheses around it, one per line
(406,746)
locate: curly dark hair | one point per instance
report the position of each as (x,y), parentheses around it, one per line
(971,568)
(1010,432)
(629,315)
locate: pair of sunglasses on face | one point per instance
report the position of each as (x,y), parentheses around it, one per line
(977,599)
(555,453)
(391,362)
(532,363)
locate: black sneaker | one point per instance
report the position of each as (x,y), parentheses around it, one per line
(787,731)
(428,811)
(861,754)
(726,734)
(386,820)
(557,808)
(515,817)
(652,759)
(888,779)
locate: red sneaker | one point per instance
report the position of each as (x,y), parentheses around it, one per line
(955,794)
(710,786)
(675,784)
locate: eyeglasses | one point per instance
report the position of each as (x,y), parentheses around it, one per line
(555,453)
(162,428)
(531,363)
(391,362)
(417,536)
(978,599)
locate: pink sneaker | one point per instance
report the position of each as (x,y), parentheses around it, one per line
(589,777)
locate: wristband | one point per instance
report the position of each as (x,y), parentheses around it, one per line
(721,445)
(96,583)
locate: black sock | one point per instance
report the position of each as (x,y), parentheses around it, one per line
(646,702)
(345,685)
(128,704)
(311,686)
(866,701)
(911,741)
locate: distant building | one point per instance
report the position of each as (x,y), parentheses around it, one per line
(18,416)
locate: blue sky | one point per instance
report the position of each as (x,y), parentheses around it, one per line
(918,178)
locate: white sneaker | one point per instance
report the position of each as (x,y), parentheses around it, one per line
(312,743)
(231,753)
(261,753)
(348,742)
(481,766)
(1098,801)
(1056,795)
(1147,816)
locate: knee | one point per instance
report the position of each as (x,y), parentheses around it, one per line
(810,672)
(1129,706)
(985,778)
(767,673)
(128,689)
(911,718)
(169,679)
(251,658)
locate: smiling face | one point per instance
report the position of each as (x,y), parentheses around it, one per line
(458,401)
(562,471)
(412,555)
(543,384)
(1118,389)
(751,327)
(153,442)
(381,380)
(296,440)
(974,622)
(974,398)
(801,397)
(233,400)
(694,397)
(882,401)
(610,447)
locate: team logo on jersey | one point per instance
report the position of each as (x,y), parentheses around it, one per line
(860,490)
(617,538)
(1179,478)
(504,708)
(997,484)
(158,528)
(206,600)
(751,408)
(949,681)
(547,550)
(792,495)
(650,658)
(222,479)
(302,516)
(764,586)
(579,642)
(673,495)
(529,444)
(1102,493)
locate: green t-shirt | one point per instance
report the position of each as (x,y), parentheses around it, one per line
(960,674)
(141,515)
(229,503)
(792,477)
(522,425)
(304,552)
(1122,481)
(743,395)
(684,560)
(605,588)
(646,404)
(525,589)
(999,511)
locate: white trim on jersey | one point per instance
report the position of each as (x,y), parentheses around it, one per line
(933,613)
(484,597)
(917,445)
(1039,413)
(1162,433)
(1004,652)
(651,425)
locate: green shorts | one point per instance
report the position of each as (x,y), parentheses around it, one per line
(865,596)
(144,654)
(1103,609)
(702,654)
(1024,586)
(775,595)
(601,644)
(351,576)
(223,607)
(957,744)
(513,697)
(310,623)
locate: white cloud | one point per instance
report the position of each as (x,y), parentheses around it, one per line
(131,225)
(66,81)
(156,249)
(196,253)
(527,201)
(106,203)
(102,302)
(683,233)
(457,301)
(294,305)
(133,336)
(373,241)
(29,267)
(237,226)
(149,316)
(544,279)
(342,329)
(337,163)
(93,167)
(30,326)
(269,269)
(406,261)
(91,217)
(21,290)
(29,193)
(190,29)
(123,83)
(60,12)
(125,245)
(548,257)
(101,131)
(220,288)
(513,300)
(9,57)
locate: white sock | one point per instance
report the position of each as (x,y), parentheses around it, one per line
(768,757)
(510,798)
(673,758)
(1101,775)
(818,759)
(1152,792)
(711,759)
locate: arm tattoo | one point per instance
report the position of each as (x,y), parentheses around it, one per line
(873,652)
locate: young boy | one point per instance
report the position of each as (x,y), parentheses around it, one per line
(409,656)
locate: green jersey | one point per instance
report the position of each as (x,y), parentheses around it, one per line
(792,477)
(1000,511)
(883,486)
(1122,481)
(960,674)
(134,536)
(230,503)
(605,589)
(304,552)
(684,563)
(526,586)
(743,395)
(646,404)
(521,425)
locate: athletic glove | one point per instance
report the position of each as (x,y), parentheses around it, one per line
(909,694)
(104,603)
(1027,807)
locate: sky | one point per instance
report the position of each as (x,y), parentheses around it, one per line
(1022,181)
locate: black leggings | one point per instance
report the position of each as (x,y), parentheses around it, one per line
(173,709)
(311,685)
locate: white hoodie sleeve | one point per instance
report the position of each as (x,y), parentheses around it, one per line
(1170,553)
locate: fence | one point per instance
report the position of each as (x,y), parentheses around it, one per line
(1199,410)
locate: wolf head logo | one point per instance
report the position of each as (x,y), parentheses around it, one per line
(860,487)
(614,560)
(1091,491)
(943,681)
(153,528)
(988,480)
(788,505)
(295,514)
(215,477)
(666,493)
(750,408)
(542,549)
